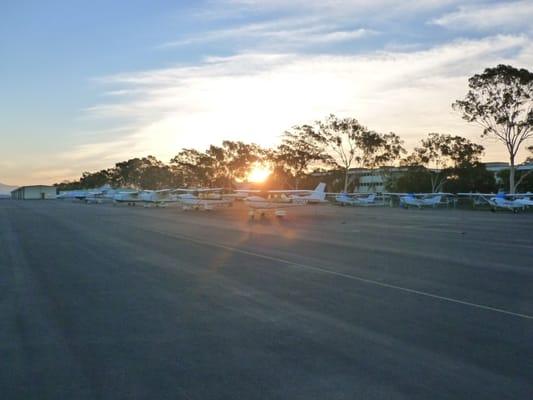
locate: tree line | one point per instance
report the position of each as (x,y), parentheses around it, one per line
(500,100)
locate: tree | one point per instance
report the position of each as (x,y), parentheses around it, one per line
(501,101)
(97,179)
(218,165)
(158,177)
(130,172)
(470,178)
(349,143)
(440,154)
(237,159)
(297,153)
(415,178)
(194,166)
(524,180)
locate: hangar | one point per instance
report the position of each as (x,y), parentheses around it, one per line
(35,192)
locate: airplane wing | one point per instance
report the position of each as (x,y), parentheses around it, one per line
(210,189)
(196,190)
(244,191)
(289,191)
(475,194)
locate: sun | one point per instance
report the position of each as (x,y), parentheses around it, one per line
(258,174)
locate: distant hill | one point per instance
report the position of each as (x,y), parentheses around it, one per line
(6,189)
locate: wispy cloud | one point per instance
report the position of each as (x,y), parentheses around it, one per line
(280,33)
(337,7)
(509,16)
(255,96)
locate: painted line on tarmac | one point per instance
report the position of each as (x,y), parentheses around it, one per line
(353,277)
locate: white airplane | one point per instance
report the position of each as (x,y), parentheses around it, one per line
(90,196)
(203,199)
(278,200)
(525,199)
(98,196)
(157,198)
(500,201)
(95,198)
(427,200)
(149,198)
(511,202)
(131,198)
(73,194)
(356,199)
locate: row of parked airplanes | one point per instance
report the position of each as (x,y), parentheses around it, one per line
(512,202)
(258,201)
(261,202)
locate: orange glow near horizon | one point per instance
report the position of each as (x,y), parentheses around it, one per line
(259,174)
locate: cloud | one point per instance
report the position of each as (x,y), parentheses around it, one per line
(338,7)
(280,32)
(256,96)
(509,16)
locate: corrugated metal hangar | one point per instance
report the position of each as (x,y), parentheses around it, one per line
(35,192)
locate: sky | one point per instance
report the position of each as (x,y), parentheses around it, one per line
(85,84)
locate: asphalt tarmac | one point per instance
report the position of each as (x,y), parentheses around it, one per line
(104,302)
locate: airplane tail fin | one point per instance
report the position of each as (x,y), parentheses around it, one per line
(320,191)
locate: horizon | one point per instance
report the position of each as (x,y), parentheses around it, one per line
(95,84)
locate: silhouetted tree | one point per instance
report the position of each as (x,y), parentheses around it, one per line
(298,153)
(415,178)
(194,166)
(218,165)
(524,180)
(440,154)
(470,178)
(349,143)
(501,101)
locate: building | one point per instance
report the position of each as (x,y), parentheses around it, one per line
(366,180)
(35,192)
(497,167)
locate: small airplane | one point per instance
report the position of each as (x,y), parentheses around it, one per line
(73,194)
(525,200)
(90,196)
(420,201)
(500,201)
(131,198)
(203,199)
(95,198)
(512,202)
(356,199)
(278,200)
(157,198)
(148,198)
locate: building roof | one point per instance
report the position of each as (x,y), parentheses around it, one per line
(33,186)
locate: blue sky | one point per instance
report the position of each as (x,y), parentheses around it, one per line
(87,84)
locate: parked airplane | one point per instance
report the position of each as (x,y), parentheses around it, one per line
(203,199)
(425,200)
(526,200)
(500,201)
(356,199)
(512,202)
(278,200)
(149,198)
(129,198)
(73,194)
(95,198)
(157,198)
